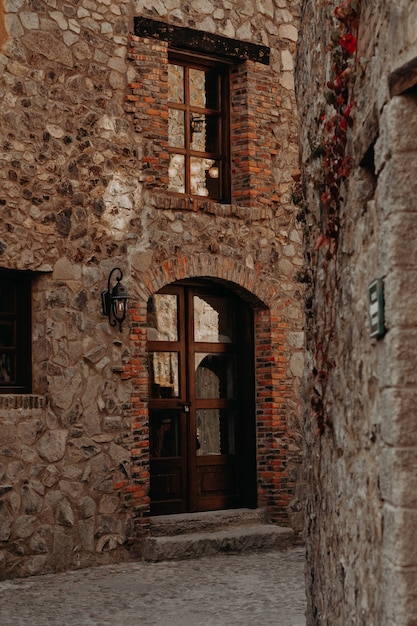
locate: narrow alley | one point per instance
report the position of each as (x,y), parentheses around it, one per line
(235,590)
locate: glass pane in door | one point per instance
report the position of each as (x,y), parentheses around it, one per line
(164,374)
(213,319)
(163,317)
(214,375)
(215,432)
(164,429)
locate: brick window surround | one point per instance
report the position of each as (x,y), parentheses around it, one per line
(253,97)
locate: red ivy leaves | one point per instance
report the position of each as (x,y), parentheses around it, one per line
(348,43)
(335,168)
(335,164)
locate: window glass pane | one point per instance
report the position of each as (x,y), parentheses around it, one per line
(176,128)
(15,332)
(215,432)
(163,317)
(213,179)
(175,83)
(214,374)
(164,429)
(212,134)
(176,172)
(7,335)
(198,132)
(213,319)
(197,88)
(164,374)
(204,133)
(197,129)
(212,90)
(7,368)
(7,297)
(198,175)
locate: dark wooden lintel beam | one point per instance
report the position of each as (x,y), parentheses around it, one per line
(403,78)
(202,42)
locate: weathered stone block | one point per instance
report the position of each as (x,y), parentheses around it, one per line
(6,521)
(64,513)
(73,490)
(51,476)
(398,346)
(25,525)
(399,545)
(31,501)
(86,534)
(52,445)
(398,416)
(87,507)
(398,477)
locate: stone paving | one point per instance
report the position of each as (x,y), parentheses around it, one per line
(235,590)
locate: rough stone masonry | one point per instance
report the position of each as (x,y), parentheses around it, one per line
(83,190)
(361,506)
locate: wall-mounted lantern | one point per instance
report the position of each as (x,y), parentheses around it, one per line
(114,301)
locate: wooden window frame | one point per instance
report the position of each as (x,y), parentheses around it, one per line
(19,285)
(222,69)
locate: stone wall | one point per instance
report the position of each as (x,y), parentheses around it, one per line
(360,505)
(74,454)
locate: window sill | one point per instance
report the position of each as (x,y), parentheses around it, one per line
(11,401)
(174,203)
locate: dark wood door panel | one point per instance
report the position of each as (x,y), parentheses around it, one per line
(201,404)
(167,490)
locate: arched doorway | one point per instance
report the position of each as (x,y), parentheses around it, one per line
(201,406)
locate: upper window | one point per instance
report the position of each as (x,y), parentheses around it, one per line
(15,332)
(198,127)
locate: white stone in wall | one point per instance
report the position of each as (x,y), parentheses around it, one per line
(288,31)
(52,445)
(208,25)
(227,30)
(13,5)
(266,7)
(244,32)
(30,20)
(13,26)
(59,19)
(202,6)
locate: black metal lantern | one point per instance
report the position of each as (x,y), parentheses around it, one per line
(114,301)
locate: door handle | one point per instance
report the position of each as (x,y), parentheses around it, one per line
(185,406)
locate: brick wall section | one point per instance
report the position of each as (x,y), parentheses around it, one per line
(275,489)
(253,99)
(253,107)
(136,492)
(148,102)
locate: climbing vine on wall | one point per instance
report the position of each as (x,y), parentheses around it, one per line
(335,167)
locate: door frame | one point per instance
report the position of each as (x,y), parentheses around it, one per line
(188,471)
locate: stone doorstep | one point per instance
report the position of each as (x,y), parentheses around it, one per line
(204,537)
(166,525)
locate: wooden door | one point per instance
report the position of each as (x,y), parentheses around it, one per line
(201,415)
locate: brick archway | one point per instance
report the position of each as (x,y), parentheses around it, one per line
(273,390)
(252,284)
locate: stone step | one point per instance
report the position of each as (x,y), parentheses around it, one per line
(167,525)
(204,534)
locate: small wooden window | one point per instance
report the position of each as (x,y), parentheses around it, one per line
(198,127)
(15,332)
